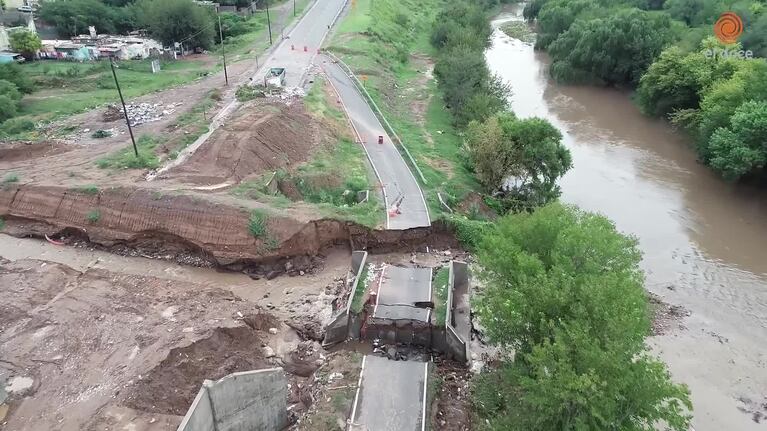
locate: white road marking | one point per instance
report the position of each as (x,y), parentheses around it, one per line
(357,395)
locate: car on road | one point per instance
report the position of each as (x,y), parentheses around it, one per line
(25,8)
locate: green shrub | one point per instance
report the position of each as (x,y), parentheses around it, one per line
(257,223)
(88,190)
(7,107)
(247,92)
(93,216)
(11,178)
(98,134)
(8,88)
(14,126)
(2,223)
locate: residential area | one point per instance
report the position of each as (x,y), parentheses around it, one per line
(382,215)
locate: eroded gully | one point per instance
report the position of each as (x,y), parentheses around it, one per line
(703,239)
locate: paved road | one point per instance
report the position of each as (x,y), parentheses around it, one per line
(391,397)
(310,33)
(400,288)
(398,181)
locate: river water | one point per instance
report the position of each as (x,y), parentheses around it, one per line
(703,239)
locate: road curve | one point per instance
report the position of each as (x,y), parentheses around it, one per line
(397,180)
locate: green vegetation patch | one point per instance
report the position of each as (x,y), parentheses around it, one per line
(257,223)
(126,158)
(439,284)
(11,178)
(93,216)
(519,30)
(88,189)
(359,294)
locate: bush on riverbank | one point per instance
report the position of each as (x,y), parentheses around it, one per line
(460,34)
(596,41)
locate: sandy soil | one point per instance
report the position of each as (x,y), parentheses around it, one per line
(91,339)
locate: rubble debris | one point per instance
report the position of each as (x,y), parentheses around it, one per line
(666,317)
(140,113)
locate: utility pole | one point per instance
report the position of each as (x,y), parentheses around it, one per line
(125,110)
(294,8)
(223,49)
(268,21)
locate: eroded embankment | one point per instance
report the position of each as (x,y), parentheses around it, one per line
(191,229)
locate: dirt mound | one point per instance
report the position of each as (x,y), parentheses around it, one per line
(475,207)
(171,386)
(263,136)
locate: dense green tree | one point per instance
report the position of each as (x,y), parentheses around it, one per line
(563,289)
(722,99)
(615,50)
(677,80)
(461,24)
(557,16)
(755,36)
(572,383)
(532,9)
(558,265)
(741,149)
(72,17)
(25,42)
(520,160)
(171,21)
(471,92)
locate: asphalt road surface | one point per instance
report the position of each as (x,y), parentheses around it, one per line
(391,397)
(308,34)
(397,179)
(400,289)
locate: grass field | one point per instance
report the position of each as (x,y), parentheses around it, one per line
(66,88)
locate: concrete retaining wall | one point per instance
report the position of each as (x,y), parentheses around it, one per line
(251,400)
(339,328)
(458,279)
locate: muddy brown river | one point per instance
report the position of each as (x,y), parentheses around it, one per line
(703,239)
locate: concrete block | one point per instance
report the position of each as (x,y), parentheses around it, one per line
(200,414)
(251,400)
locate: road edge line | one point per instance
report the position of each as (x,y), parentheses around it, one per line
(357,395)
(425,380)
(367,153)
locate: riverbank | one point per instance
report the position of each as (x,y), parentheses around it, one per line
(700,236)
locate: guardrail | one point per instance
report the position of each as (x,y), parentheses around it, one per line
(378,112)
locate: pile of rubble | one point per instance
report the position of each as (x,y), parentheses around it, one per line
(287,94)
(140,113)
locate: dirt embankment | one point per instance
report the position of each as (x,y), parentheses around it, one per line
(262,136)
(192,230)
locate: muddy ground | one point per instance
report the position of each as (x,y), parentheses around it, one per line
(107,350)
